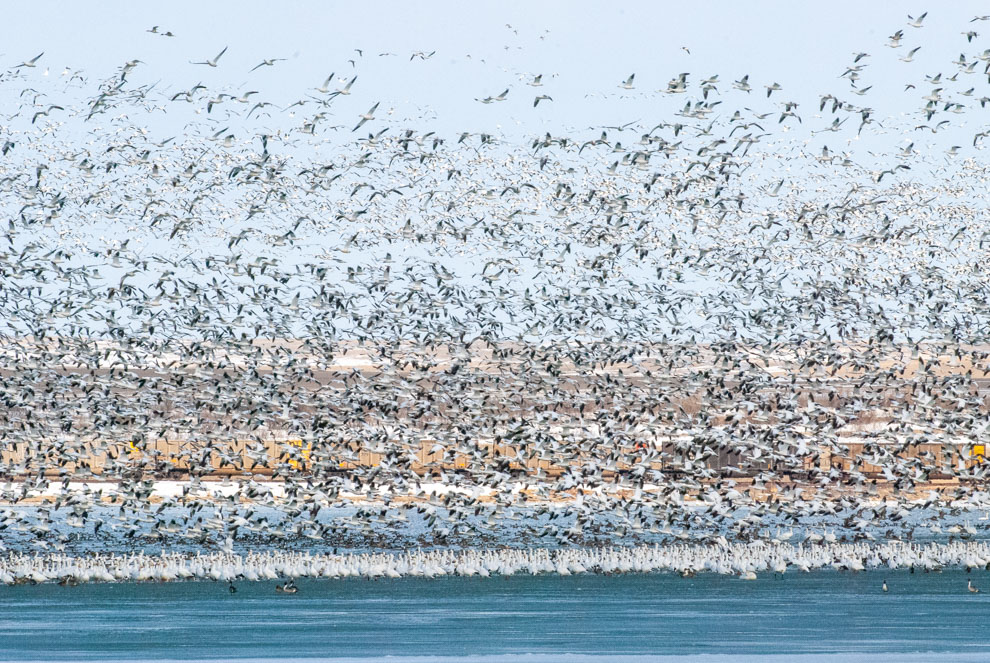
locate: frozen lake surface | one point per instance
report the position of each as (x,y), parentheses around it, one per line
(824,616)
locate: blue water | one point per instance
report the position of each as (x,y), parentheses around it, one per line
(818,616)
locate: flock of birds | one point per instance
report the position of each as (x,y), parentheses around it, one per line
(742,560)
(714,320)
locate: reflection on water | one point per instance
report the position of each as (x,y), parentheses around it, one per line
(637,615)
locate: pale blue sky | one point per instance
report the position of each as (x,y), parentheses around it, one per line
(583,50)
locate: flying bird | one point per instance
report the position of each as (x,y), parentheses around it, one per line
(366,117)
(32,62)
(213,62)
(268,62)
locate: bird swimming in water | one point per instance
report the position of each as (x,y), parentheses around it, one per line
(288,588)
